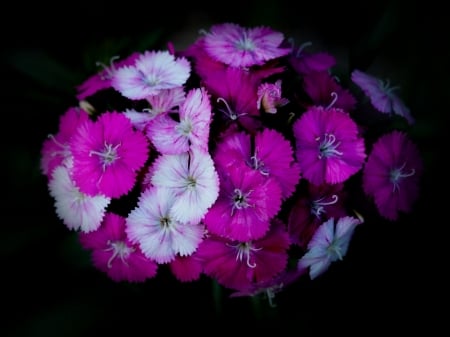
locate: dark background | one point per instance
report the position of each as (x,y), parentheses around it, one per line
(390,280)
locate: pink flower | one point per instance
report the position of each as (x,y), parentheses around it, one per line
(272,156)
(152,72)
(381,95)
(392,174)
(160,235)
(329,148)
(246,204)
(244,47)
(324,90)
(107,155)
(113,254)
(329,244)
(56,149)
(240,265)
(186,268)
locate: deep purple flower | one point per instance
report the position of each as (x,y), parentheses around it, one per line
(392,174)
(329,148)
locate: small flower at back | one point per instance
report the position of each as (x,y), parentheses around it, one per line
(381,94)
(329,244)
(238,46)
(392,174)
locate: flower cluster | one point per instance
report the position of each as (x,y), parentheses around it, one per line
(243,158)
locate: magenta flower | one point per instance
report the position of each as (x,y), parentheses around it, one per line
(102,80)
(113,254)
(240,265)
(392,174)
(77,210)
(324,90)
(329,148)
(329,244)
(55,150)
(186,268)
(247,202)
(154,227)
(107,155)
(305,62)
(191,129)
(152,72)
(272,156)
(242,47)
(382,95)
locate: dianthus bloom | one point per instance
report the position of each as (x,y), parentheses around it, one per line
(240,158)
(392,174)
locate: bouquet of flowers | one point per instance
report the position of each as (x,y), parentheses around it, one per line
(242,158)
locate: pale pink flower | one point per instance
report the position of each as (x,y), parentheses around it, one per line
(193,179)
(77,210)
(152,72)
(238,46)
(191,129)
(159,234)
(329,244)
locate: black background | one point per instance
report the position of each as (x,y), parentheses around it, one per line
(390,280)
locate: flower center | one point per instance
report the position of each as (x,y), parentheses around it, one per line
(119,249)
(396,175)
(244,250)
(328,146)
(239,200)
(108,155)
(244,43)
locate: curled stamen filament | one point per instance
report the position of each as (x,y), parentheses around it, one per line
(119,249)
(229,112)
(318,205)
(302,47)
(257,164)
(328,146)
(108,70)
(334,95)
(397,174)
